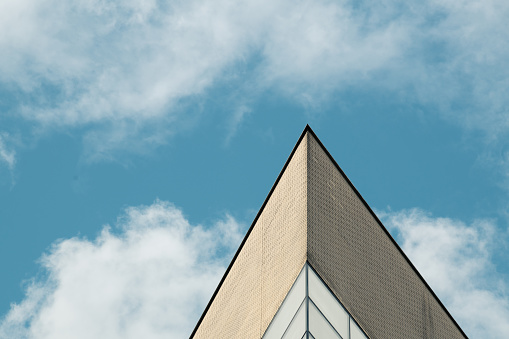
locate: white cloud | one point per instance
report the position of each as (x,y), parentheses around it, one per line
(121,68)
(118,68)
(456,261)
(468,74)
(150,279)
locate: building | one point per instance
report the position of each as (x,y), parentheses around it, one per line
(318,263)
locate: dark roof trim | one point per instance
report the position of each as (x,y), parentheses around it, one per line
(250,229)
(383,227)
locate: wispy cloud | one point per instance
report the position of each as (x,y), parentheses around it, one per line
(7,155)
(456,260)
(236,121)
(114,68)
(150,278)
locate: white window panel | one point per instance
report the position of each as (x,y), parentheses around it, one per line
(310,310)
(319,326)
(355,331)
(298,325)
(288,308)
(328,304)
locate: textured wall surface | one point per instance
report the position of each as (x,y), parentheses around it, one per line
(359,262)
(267,264)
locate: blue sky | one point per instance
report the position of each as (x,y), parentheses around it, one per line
(139,139)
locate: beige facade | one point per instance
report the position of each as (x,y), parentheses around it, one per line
(268,263)
(313,213)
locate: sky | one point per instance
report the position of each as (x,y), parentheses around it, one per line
(138,139)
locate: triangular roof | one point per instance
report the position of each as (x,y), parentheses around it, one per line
(314,214)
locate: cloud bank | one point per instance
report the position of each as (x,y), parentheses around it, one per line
(456,261)
(151,278)
(122,71)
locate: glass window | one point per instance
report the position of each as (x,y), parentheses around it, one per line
(318,324)
(288,308)
(310,310)
(355,331)
(298,325)
(327,303)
